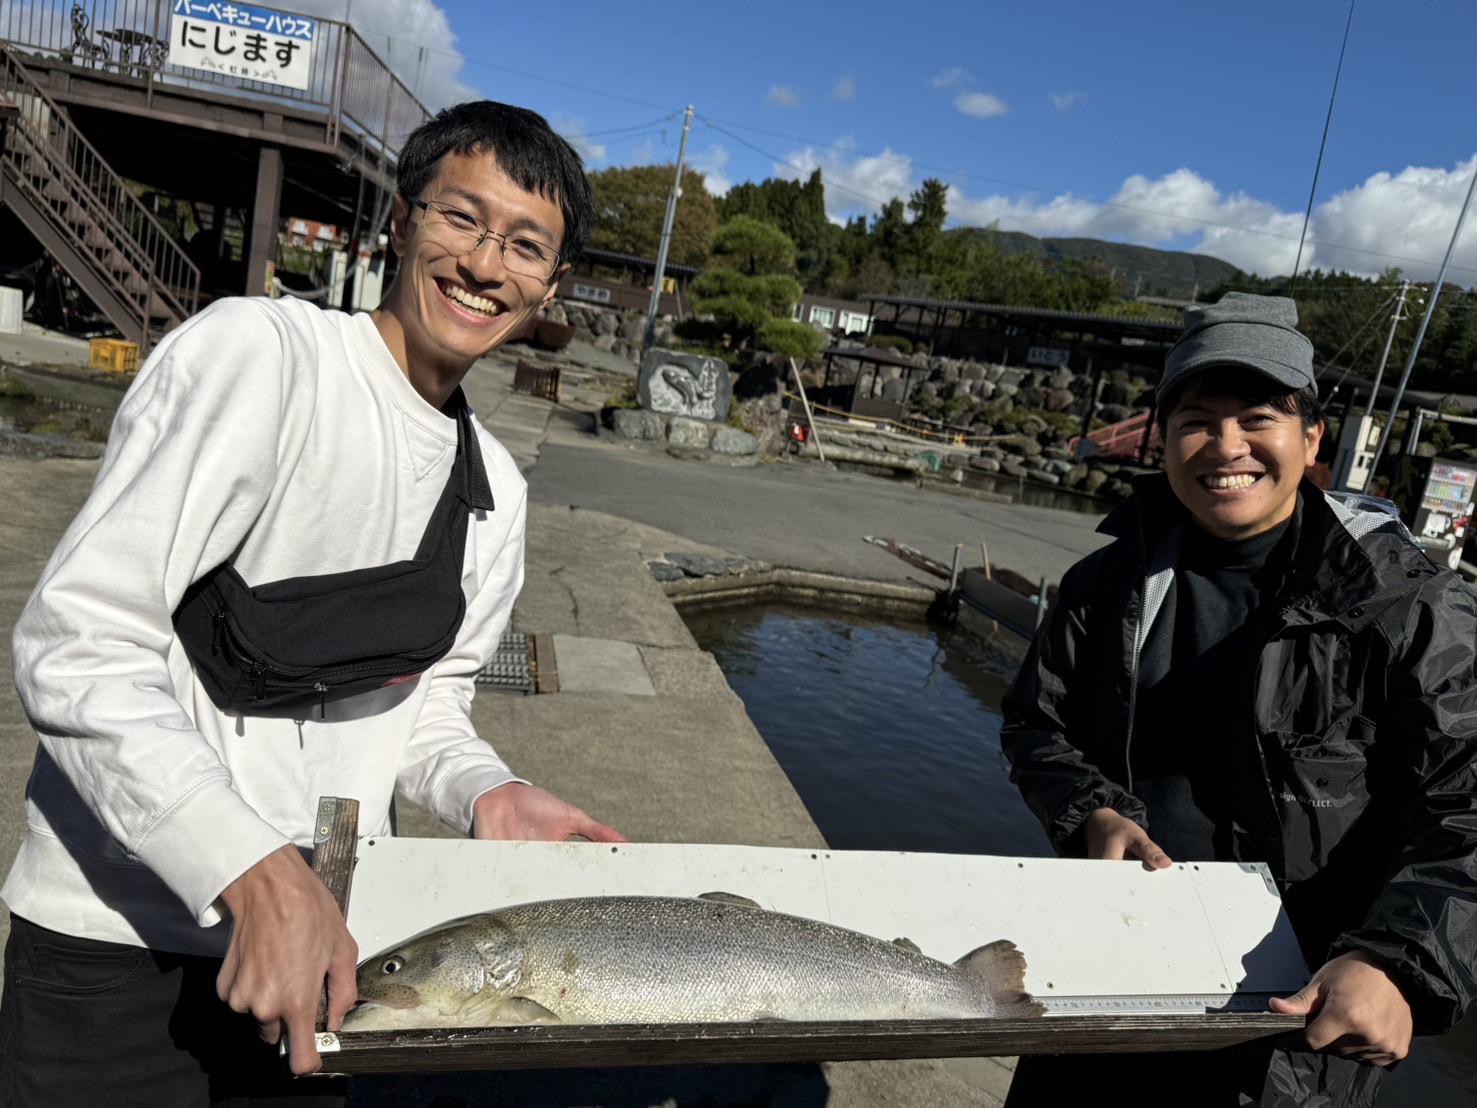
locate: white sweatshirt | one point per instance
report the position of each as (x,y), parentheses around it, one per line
(286,439)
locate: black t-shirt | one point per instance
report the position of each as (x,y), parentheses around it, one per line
(1193,714)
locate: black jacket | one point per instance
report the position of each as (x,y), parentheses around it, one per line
(1359,784)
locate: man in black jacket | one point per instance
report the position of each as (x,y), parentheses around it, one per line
(1258,671)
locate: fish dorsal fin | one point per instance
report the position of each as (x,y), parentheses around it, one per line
(1000,969)
(522,1010)
(907,944)
(732,898)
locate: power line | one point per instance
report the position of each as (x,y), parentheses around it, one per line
(1312,192)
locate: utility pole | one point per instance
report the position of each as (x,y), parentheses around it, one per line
(1389,341)
(661,256)
(1415,347)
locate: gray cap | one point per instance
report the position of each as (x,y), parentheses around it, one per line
(1256,332)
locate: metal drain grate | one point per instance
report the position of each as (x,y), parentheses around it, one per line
(511,669)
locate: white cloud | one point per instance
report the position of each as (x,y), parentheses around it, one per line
(413,37)
(1411,214)
(981,105)
(782,96)
(956,78)
(844,89)
(960,81)
(711,163)
(1400,219)
(573,129)
(852,184)
(1066,101)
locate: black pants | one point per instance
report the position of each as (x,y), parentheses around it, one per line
(87,1022)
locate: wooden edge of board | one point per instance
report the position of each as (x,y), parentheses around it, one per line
(545,666)
(335,839)
(544,1047)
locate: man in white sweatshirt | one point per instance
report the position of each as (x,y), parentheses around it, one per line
(164,921)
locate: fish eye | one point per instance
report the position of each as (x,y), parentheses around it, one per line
(392,965)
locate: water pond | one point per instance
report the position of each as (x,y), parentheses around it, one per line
(889,731)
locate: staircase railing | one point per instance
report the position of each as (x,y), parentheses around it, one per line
(65,177)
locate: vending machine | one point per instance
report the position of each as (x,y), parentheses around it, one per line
(1441,512)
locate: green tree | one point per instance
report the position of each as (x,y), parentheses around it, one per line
(753,247)
(631,204)
(749,287)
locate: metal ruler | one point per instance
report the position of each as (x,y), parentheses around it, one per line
(1197,1004)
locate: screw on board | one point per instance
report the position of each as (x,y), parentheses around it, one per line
(326,1041)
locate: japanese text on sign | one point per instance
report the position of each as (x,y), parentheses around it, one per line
(236,40)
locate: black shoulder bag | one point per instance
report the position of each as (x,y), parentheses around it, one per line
(291,646)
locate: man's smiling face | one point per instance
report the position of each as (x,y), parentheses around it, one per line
(1235,464)
(452,304)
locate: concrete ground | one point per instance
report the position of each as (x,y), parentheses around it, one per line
(645,732)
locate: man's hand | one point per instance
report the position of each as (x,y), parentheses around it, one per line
(519,811)
(287,936)
(1115,837)
(1355,1010)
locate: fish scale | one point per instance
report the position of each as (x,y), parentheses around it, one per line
(672,960)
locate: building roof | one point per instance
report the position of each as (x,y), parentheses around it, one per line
(612,257)
(1157,327)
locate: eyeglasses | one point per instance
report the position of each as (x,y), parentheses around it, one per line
(466,234)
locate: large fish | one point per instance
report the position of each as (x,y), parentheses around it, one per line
(637,959)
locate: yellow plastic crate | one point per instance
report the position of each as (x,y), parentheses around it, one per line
(113,355)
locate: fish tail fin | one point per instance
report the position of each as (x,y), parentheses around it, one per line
(1000,968)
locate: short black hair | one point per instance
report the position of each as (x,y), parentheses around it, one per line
(526,148)
(1248,386)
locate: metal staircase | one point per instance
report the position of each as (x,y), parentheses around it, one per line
(86,216)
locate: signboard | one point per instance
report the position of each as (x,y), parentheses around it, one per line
(236,40)
(1445,508)
(1048,355)
(590,292)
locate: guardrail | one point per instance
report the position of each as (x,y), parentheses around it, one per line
(346,79)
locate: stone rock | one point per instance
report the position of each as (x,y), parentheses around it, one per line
(1114,413)
(730,440)
(1026,447)
(1033,425)
(663,571)
(1076,477)
(928,390)
(688,453)
(636,423)
(686,431)
(1013,469)
(1057,466)
(972,371)
(1007,392)
(1011,377)
(984,389)
(700,565)
(1046,477)
(893,390)
(685,384)
(607,324)
(1061,379)
(985,464)
(633,329)
(1031,397)
(1057,400)
(961,389)
(557,313)
(605,343)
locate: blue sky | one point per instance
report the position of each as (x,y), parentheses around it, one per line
(1184,125)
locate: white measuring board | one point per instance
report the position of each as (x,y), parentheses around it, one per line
(1097,936)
